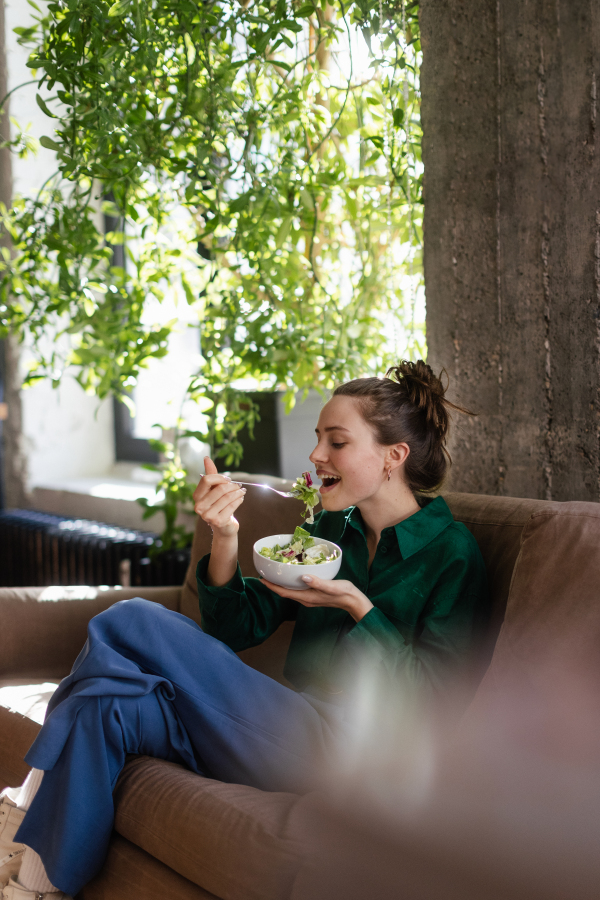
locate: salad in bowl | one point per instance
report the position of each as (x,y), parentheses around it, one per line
(302,550)
(284,558)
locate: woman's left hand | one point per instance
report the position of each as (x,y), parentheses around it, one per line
(340,594)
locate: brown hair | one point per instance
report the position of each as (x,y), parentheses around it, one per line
(409,407)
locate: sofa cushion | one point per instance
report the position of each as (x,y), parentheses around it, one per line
(497,525)
(43,629)
(546,656)
(233,840)
(553,611)
(130,873)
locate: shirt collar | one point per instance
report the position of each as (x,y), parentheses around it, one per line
(415,532)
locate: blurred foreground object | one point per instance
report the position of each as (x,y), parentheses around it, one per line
(506,810)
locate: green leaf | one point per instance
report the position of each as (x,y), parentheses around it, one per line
(128,402)
(42,105)
(292,26)
(398,117)
(305,11)
(189,294)
(49,144)
(239,203)
(119,8)
(199,435)
(281,64)
(36,62)
(283,231)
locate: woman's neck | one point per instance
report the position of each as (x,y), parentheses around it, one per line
(387,508)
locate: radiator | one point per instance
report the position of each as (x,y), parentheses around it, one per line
(41,549)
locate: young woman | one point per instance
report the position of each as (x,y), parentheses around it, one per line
(148,681)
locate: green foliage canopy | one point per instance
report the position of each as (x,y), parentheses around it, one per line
(253,175)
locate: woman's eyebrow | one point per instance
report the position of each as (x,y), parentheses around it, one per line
(333,428)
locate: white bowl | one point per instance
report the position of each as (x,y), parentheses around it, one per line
(286,575)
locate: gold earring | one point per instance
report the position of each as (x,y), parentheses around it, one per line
(389,474)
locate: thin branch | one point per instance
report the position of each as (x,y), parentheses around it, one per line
(12,90)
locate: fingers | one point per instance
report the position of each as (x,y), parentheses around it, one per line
(277,589)
(221,504)
(209,482)
(209,466)
(217,512)
(302,596)
(206,493)
(320,593)
(225,517)
(331,586)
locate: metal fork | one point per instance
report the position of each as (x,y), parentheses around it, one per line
(268,486)
(255,484)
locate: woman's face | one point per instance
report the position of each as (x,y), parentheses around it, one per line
(347,451)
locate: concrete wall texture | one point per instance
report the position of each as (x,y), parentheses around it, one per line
(511,152)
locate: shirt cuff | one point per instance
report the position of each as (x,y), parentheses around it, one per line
(233,588)
(375,633)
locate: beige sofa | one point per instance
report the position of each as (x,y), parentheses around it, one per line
(178,835)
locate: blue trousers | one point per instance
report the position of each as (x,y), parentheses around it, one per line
(150,681)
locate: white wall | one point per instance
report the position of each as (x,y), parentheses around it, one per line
(66,433)
(297,438)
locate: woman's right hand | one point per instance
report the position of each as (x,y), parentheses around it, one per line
(215,500)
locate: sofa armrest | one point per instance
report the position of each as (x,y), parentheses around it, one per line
(43,629)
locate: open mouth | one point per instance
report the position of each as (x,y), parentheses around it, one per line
(328,482)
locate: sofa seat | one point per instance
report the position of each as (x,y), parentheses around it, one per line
(130,872)
(236,841)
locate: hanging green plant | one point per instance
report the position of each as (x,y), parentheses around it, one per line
(260,172)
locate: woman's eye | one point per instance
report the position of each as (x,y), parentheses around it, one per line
(337,446)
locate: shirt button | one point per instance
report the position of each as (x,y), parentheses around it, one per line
(384,549)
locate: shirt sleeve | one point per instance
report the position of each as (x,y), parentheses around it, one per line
(432,657)
(243,612)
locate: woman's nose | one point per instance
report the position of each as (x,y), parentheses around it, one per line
(316,457)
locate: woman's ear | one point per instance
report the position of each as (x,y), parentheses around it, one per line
(397,456)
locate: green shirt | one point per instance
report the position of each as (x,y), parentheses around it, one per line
(427,583)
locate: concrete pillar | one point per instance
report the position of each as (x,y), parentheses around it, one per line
(511,150)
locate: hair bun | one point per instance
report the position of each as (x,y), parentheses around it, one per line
(408,406)
(424,390)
